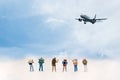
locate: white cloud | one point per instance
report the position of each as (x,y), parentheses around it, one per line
(54,20)
(100,36)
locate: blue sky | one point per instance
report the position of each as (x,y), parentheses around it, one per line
(48,28)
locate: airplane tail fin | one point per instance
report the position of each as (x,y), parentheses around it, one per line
(94,17)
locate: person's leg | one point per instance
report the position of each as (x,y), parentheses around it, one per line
(52,68)
(66,68)
(63,68)
(85,68)
(32,67)
(55,68)
(75,68)
(41,67)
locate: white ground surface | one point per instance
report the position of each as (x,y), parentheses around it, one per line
(97,70)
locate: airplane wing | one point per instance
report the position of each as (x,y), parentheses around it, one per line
(102,19)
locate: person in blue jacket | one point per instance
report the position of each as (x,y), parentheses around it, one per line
(41,61)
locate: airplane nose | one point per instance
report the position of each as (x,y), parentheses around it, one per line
(81,16)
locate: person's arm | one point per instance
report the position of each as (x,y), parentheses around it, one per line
(43,60)
(32,61)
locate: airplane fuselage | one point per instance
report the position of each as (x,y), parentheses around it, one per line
(85,18)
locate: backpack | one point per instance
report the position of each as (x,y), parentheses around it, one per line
(64,63)
(84,61)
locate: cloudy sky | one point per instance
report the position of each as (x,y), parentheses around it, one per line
(48,28)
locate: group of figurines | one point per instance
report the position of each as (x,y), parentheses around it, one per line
(53,64)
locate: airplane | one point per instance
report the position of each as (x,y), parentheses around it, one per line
(86,18)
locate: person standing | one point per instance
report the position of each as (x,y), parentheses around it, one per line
(30,62)
(75,63)
(64,62)
(54,61)
(41,61)
(84,61)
